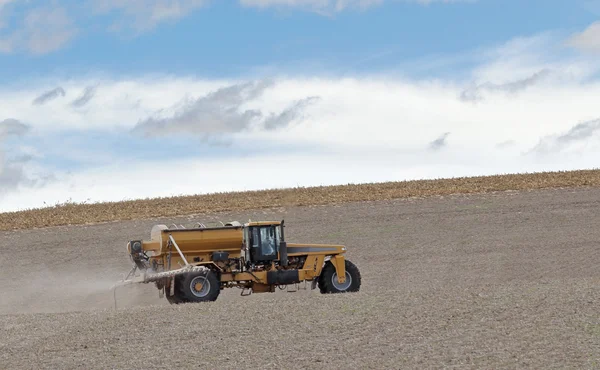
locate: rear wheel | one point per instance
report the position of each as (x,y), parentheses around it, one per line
(199,287)
(177,297)
(328,281)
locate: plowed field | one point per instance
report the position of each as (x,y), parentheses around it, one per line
(504,280)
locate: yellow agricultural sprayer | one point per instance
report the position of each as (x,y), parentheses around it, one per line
(195,264)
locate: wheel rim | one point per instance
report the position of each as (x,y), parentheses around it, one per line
(200,286)
(341,286)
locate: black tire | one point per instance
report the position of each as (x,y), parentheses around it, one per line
(209,291)
(177,297)
(327,285)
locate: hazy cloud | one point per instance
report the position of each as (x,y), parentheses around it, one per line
(328,6)
(588,40)
(221,112)
(12,127)
(49,95)
(143,15)
(475,93)
(47,28)
(87,95)
(5,46)
(440,142)
(315,5)
(3,7)
(42,30)
(11,169)
(4,3)
(217,112)
(505,144)
(12,173)
(275,121)
(579,133)
(592,6)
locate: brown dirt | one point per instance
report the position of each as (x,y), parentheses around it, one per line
(79,214)
(505,280)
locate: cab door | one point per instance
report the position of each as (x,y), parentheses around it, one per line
(264,243)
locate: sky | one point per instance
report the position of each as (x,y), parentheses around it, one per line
(109,100)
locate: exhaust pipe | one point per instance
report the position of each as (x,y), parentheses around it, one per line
(283,255)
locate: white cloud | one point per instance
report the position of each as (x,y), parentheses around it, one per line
(160,178)
(373,128)
(588,40)
(359,130)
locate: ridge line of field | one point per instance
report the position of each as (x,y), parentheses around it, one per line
(79,214)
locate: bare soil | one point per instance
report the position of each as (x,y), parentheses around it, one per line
(504,280)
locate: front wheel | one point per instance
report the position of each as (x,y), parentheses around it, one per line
(328,281)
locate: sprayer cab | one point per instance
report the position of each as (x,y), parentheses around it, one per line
(264,243)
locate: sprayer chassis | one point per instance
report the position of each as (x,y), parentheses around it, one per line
(193,265)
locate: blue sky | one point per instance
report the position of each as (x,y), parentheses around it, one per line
(96,93)
(224,39)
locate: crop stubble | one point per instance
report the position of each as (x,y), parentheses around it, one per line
(70,213)
(500,280)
